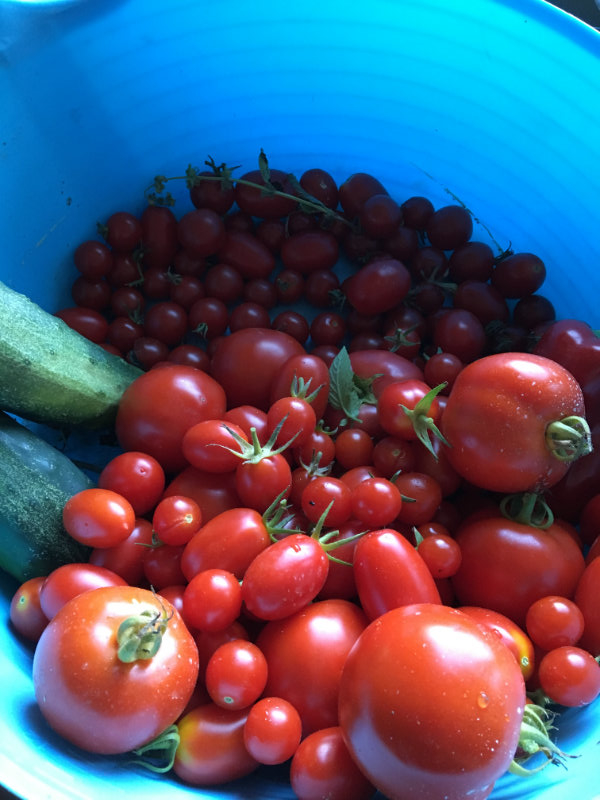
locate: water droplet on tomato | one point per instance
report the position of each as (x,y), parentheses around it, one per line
(483,700)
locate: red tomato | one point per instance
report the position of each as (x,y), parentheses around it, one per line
(158,408)
(98,517)
(212,600)
(389,572)
(508,632)
(126,559)
(85,657)
(272,731)
(136,476)
(379,286)
(587,598)
(323,767)
(570,676)
(418,675)
(208,444)
(246,362)
(554,622)
(323,633)
(383,367)
(211,750)
(508,565)
(497,422)
(70,580)
(176,519)
(285,577)
(25,613)
(259,483)
(213,492)
(230,541)
(236,674)
(574,345)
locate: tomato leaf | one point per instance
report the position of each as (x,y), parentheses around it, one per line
(343,391)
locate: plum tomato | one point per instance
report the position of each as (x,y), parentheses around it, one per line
(86,654)
(415,677)
(98,517)
(70,580)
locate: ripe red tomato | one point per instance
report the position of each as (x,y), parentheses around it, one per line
(126,559)
(158,408)
(98,517)
(324,633)
(236,674)
(85,656)
(508,632)
(508,565)
(570,676)
(25,613)
(70,580)
(211,750)
(272,731)
(587,598)
(137,476)
(212,600)
(416,676)
(497,422)
(246,362)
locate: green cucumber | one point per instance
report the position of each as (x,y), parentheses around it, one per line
(36,480)
(49,373)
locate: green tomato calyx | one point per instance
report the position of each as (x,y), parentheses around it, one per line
(140,636)
(569,438)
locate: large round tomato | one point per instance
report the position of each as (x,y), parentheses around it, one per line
(158,408)
(506,565)
(500,421)
(430,704)
(246,362)
(108,690)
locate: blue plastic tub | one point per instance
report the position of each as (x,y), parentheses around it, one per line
(496,102)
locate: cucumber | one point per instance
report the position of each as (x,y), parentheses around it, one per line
(36,480)
(51,374)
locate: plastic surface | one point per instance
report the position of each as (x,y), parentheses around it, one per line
(497,103)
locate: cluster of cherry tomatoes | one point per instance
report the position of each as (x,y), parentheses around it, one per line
(356,427)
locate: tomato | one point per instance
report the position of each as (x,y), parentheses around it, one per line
(324,633)
(70,580)
(570,676)
(425,493)
(211,750)
(322,492)
(356,190)
(230,540)
(409,409)
(587,598)
(449,227)
(296,417)
(507,565)
(166,321)
(138,477)
(207,445)
(285,577)
(246,363)
(98,517)
(272,731)
(499,421)
(554,622)
(236,674)
(442,555)
(201,232)
(159,236)
(25,613)
(310,250)
(156,410)
(513,636)
(259,483)
(376,502)
(91,294)
(323,767)
(389,572)
(353,447)
(211,193)
(213,492)
(162,565)
(86,321)
(379,286)
(176,519)
(148,669)
(245,252)
(126,559)
(212,600)
(93,259)
(383,367)
(415,677)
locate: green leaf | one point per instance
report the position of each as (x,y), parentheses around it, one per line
(263,165)
(343,392)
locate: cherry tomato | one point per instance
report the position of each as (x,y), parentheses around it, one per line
(570,676)
(513,636)
(93,259)
(138,477)
(25,613)
(98,517)
(323,767)
(207,445)
(379,286)
(213,492)
(86,321)
(245,252)
(157,409)
(272,731)
(324,632)
(212,600)
(285,577)
(322,491)
(425,493)
(176,519)
(297,419)
(69,580)
(554,621)
(587,598)
(417,675)
(85,656)
(442,555)
(499,421)
(162,565)
(159,236)
(236,674)
(376,502)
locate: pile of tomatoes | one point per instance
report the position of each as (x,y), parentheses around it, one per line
(357,503)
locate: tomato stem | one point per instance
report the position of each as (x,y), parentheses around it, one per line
(139,637)
(422,423)
(164,746)
(535,738)
(569,438)
(527,508)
